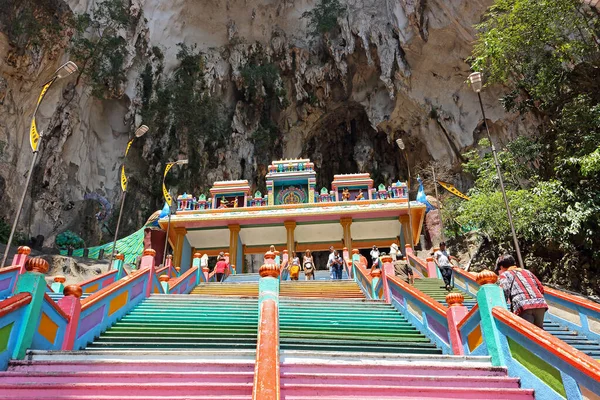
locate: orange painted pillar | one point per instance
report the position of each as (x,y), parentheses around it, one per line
(346,222)
(180,233)
(406,230)
(290,226)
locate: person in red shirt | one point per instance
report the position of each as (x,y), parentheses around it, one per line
(220,269)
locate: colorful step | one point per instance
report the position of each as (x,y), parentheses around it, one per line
(130,375)
(348,325)
(237,289)
(340,289)
(341,375)
(185,322)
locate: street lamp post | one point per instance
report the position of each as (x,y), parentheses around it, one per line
(402,147)
(169,201)
(476,80)
(139,132)
(439,203)
(35,140)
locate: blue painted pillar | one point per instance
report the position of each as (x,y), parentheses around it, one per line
(489,296)
(32,282)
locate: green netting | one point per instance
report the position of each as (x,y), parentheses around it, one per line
(131,247)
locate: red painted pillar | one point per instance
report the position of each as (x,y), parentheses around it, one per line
(388,270)
(148,263)
(456,312)
(71,305)
(432,270)
(266,372)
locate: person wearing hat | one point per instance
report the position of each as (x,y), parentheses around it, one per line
(523,290)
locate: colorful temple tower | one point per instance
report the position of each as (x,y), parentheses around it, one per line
(293,215)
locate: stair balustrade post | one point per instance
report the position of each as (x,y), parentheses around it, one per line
(148,263)
(58,284)
(355,260)
(21,257)
(164,282)
(376,277)
(489,296)
(196,262)
(455,313)
(33,281)
(71,305)
(432,269)
(169,265)
(388,270)
(118,264)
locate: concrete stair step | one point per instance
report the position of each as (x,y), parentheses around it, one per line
(132,377)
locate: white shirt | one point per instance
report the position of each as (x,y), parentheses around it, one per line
(374,254)
(393,249)
(443,258)
(330,259)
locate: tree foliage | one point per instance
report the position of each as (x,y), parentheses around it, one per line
(69,240)
(323,19)
(99,47)
(547,53)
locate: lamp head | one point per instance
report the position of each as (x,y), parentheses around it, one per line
(65,70)
(182,162)
(476,80)
(400,144)
(141,131)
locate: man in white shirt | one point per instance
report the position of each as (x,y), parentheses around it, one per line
(330,262)
(394,251)
(442,260)
(375,256)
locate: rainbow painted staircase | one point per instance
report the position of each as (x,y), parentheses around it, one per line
(144,336)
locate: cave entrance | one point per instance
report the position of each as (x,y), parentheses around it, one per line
(344,142)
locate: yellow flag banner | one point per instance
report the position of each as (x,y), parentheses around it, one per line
(123,179)
(166,194)
(450,187)
(34,136)
(128,147)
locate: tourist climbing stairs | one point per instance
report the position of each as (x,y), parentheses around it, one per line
(338,289)
(435,288)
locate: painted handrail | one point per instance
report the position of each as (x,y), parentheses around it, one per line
(98,282)
(531,349)
(11,322)
(418,266)
(266,373)
(363,278)
(103,308)
(185,283)
(8,279)
(426,314)
(470,332)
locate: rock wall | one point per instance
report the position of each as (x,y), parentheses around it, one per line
(394,69)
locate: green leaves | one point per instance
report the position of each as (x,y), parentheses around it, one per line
(323,19)
(69,239)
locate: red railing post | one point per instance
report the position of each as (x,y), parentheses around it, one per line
(71,305)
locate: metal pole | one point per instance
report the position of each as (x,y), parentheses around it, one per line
(14,226)
(410,233)
(439,203)
(499,172)
(167,238)
(114,252)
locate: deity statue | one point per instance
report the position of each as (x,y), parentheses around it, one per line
(224,203)
(345,195)
(360,195)
(235,203)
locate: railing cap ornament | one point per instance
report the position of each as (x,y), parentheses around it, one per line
(164,278)
(24,250)
(386,259)
(177,269)
(376,273)
(37,264)
(429,259)
(486,277)
(60,279)
(269,270)
(120,256)
(197,255)
(455,299)
(170,257)
(355,251)
(149,252)
(269,255)
(73,290)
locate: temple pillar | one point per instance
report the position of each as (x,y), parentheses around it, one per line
(180,233)
(290,226)
(234,239)
(406,229)
(346,222)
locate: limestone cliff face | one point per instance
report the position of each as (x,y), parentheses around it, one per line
(396,68)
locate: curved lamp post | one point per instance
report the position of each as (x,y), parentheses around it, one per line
(169,201)
(476,80)
(139,132)
(35,139)
(402,147)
